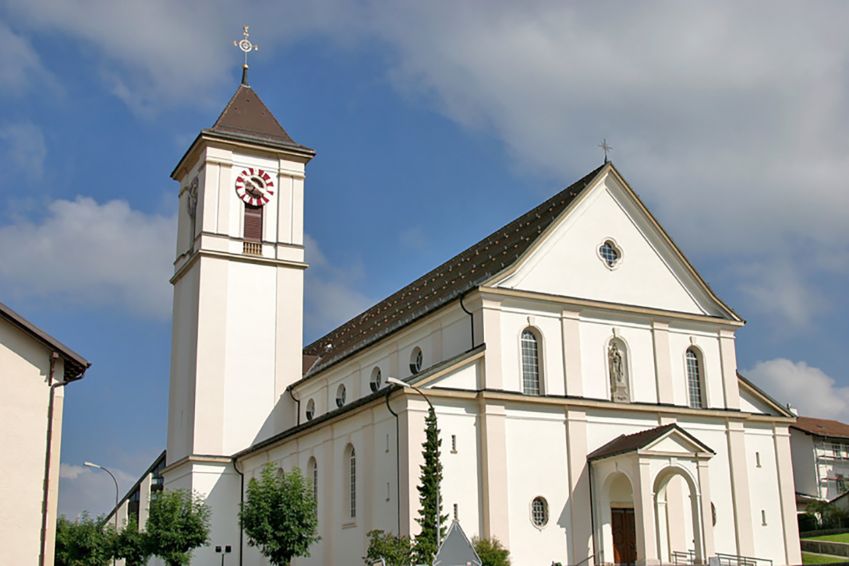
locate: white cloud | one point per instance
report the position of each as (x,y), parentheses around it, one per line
(85,252)
(782,291)
(83,489)
(807,388)
(20,66)
(23,150)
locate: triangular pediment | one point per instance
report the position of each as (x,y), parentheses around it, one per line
(661,440)
(676,441)
(649,270)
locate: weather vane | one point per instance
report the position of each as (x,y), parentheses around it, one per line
(605,148)
(246,46)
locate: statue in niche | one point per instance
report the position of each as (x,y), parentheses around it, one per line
(618,373)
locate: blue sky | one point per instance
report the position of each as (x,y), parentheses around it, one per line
(434,125)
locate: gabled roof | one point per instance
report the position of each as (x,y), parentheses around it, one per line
(449,281)
(75,364)
(456,549)
(822,427)
(639,440)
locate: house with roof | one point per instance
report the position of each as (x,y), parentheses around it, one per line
(583,373)
(34,370)
(820,450)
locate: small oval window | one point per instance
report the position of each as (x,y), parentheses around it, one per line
(539,511)
(416,360)
(376,379)
(340,395)
(310,409)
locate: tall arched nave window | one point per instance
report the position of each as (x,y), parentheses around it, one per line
(694,378)
(351,480)
(530,362)
(312,475)
(617,367)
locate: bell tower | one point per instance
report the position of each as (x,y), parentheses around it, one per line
(238,300)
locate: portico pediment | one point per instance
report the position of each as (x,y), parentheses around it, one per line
(667,440)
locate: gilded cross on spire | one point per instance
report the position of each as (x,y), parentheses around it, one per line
(246,46)
(605,148)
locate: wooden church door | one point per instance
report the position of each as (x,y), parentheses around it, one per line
(624,536)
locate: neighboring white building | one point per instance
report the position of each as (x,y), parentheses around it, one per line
(820,459)
(34,369)
(583,373)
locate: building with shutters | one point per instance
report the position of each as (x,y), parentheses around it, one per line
(820,459)
(34,370)
(583,373)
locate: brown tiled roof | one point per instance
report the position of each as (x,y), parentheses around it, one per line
(631,442)
(75,364)
(444,284)
(822,427)
(246,115)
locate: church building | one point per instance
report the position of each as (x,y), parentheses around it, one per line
(583,374)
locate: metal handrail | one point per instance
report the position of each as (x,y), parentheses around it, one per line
(738,560)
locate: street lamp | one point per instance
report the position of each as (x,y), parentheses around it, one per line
(404,384)
(99,467)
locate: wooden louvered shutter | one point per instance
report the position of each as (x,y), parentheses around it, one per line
(253,223)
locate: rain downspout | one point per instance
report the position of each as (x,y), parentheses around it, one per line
(471,318)
(47,454)
(241,503)
(397,460)
(298,402)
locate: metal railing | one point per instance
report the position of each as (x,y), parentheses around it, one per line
(719,559)
(251,248)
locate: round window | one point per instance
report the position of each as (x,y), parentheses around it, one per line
(310,409)
(376,379)
(340,395)
(539,511)
(416,360)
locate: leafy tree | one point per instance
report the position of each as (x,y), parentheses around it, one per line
(491,552)
(395,550)
(279,515)
(429,480)
(177,524)
(132,545)
(85,542)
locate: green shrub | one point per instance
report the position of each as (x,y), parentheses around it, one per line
(491,552)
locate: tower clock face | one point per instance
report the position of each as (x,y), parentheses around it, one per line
(254,186)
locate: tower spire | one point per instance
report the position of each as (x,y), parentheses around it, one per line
(246,46)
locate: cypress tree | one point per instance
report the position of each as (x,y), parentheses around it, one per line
(429,481)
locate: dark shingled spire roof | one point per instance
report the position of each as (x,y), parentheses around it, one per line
(444,284)
(246,116)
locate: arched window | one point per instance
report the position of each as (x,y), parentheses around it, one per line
(351,480)
(340,395)
(694,378)
(312,476)
(530,363)
(310,409)
(416,360)
(617,368)
(376,379)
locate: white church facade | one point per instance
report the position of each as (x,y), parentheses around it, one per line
(584,377)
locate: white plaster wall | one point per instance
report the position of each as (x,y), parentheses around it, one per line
(24,370)
(537,466)
(567,263)
(804,462)
(750,404)
(764,494)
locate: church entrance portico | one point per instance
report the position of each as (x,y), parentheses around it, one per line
(651,498)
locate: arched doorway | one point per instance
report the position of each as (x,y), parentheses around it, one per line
(677,505)
(618,520)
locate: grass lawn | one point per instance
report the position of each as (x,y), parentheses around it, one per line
(811,558)
(839,537)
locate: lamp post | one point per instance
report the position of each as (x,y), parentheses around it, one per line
(111,475)
(404,384)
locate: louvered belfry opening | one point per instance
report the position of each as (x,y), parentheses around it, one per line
(253,223)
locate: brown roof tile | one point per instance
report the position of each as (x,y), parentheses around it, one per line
(447,282)
(246,115)
(822,427)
